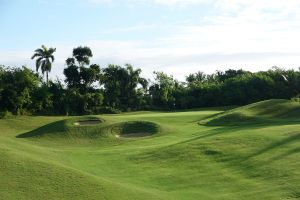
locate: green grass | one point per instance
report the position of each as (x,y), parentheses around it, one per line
(232,158)
(270,111)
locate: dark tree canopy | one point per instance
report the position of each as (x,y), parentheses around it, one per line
(82,55)
(90,89)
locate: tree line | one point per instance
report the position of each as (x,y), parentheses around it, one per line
(89,89)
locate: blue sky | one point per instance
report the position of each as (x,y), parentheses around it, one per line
(175,36)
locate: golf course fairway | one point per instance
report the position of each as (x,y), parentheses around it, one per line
(250,152)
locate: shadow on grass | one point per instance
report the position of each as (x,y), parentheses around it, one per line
(278,144)
(225,130)
(239,119)
(288,153)
(48,129)
(222,130)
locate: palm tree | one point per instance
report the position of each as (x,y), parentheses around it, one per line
(44,59)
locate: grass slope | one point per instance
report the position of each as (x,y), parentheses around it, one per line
(50,158)
(275,110)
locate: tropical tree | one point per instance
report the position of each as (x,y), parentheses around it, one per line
(122,86)
(131,81)
(196,78)
(44,59)
(17,86)
(82,96)
(82,55)
(79,74)
(162,91)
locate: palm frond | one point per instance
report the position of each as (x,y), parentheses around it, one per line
(52,58)
(48,65)
(35,55)
(44,48)
(40,51)
(43,66)
(38,63)
(52,50)
(44,59)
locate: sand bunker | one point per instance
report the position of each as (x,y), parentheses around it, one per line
(92,122)
(133,135)
(135,129)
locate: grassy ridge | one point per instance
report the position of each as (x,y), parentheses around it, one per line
(276,110)
(182,160)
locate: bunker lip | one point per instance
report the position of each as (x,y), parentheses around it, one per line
(135,129)
(88,122)
(134,135)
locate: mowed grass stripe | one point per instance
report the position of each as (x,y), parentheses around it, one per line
(252,159)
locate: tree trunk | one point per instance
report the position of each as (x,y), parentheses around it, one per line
(47,78)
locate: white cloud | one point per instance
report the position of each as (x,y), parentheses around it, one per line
(141,27)
(254,35)
(178,61)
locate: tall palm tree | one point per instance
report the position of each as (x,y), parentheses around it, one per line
(44,59)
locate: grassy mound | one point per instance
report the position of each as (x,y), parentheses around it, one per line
(91,128)
(88,122)
(135,129)
(79,127)
(275,110)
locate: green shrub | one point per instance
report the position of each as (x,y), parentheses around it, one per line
(296,98)
(6,115)
(107,110)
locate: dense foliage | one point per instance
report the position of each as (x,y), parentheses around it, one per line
(89,89)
